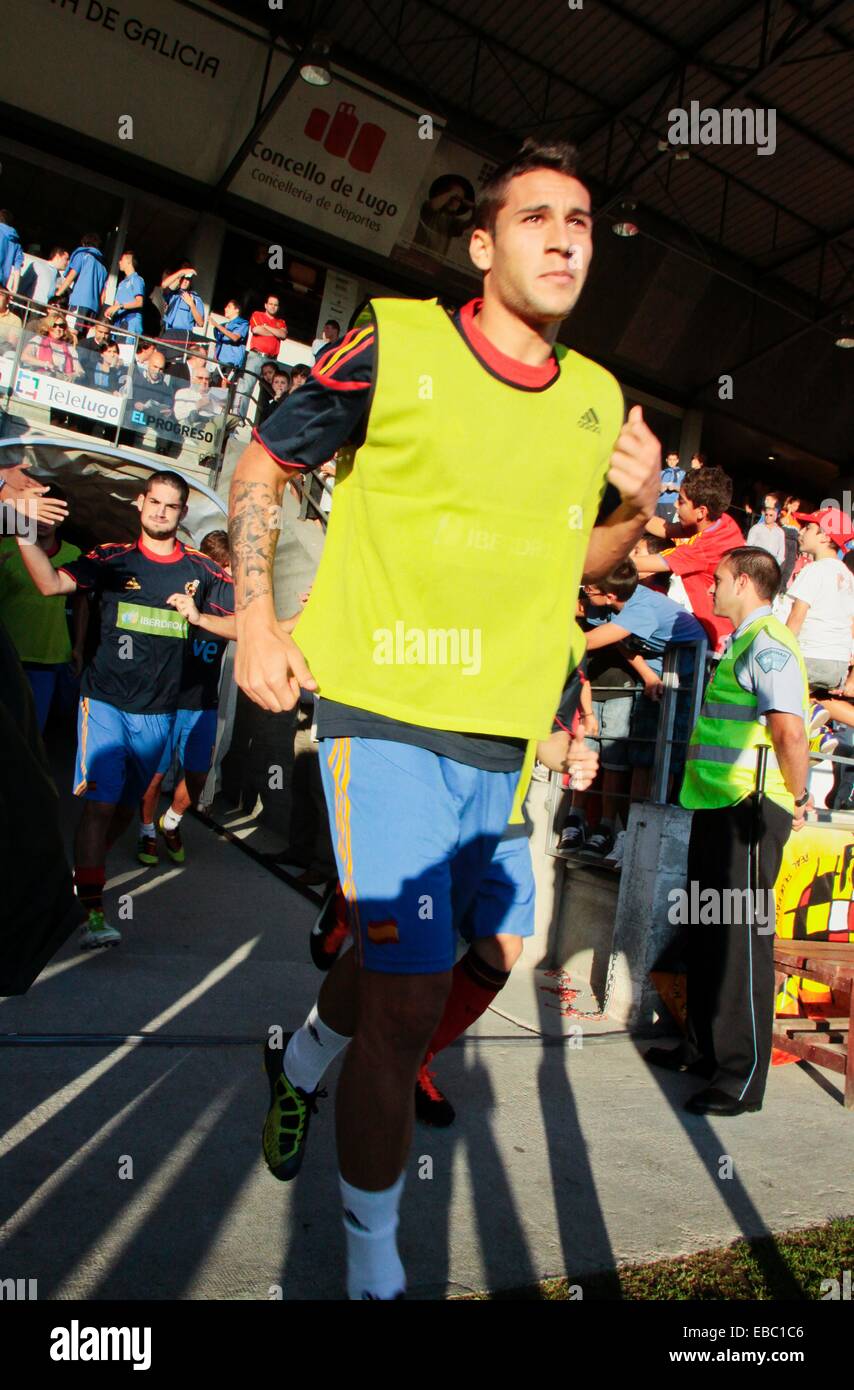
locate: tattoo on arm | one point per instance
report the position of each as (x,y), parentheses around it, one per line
(255,520)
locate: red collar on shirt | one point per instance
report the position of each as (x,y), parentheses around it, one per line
(175,553)
(508,368)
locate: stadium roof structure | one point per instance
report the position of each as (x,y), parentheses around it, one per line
(604,74)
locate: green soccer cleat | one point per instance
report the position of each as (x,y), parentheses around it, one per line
(146,849)
(172,840)
(286,1126)
(96,933)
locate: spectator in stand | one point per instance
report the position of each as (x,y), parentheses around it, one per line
(151,393)
(265,385)
(267,332)
(671,481)
(125,312)
(644,624)
(89,348)
(331,334)
(768,534)
(198,403)
(698,461)
(11,253)
(280,386)
(143,354)
(652,545)
(51,348)
(86,277)
(40,278)
(10,327)
(185,310)
(230,333)
(702,535)
(791,535)
(37,624)
(299,376)
(822,597)
(106,372)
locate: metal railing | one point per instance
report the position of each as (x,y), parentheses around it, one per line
(665,743)
(42,376)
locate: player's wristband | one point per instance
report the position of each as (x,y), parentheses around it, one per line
(802,800)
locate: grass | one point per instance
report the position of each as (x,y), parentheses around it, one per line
(790,1266)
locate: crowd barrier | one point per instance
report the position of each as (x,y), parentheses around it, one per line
(54,372)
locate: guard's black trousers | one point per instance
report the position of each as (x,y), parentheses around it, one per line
(730,942)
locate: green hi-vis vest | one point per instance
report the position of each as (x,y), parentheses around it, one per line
(722,755)
(447,588)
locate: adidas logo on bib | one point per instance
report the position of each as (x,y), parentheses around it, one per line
(590,421)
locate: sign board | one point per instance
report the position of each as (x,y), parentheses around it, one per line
(341,160)
(437,229)
(341,296)
(59,394)
(168,83)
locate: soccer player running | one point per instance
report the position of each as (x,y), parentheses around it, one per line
(440,630)
(193,735)
(130,690)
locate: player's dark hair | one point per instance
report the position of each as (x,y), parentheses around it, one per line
(655,544)
(7,216)
(332,323)
(91,239)
(710,488)
(621,582)
(534,154)
(701,458)
(58,251)
(761,568)
(215,546)
(133,258)
(175,480)
(301,370)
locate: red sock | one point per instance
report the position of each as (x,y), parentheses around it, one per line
(89,883)
(474,985)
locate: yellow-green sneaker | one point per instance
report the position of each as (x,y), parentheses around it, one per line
(96,933)
(286,1126)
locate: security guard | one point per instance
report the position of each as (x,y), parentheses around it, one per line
(757,700)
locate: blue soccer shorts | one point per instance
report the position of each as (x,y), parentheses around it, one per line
(415,838)
(505,899)
(117,753)
(192,741)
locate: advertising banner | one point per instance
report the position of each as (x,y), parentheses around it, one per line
(341,160)
(437,228)
(60,394)
(162,81)
(200,435)
(815,901)
(815,887)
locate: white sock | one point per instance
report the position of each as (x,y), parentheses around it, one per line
(374,1269)
(310,1051)
(146,829)
(172,820)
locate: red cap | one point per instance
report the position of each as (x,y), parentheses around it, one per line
(834,523)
